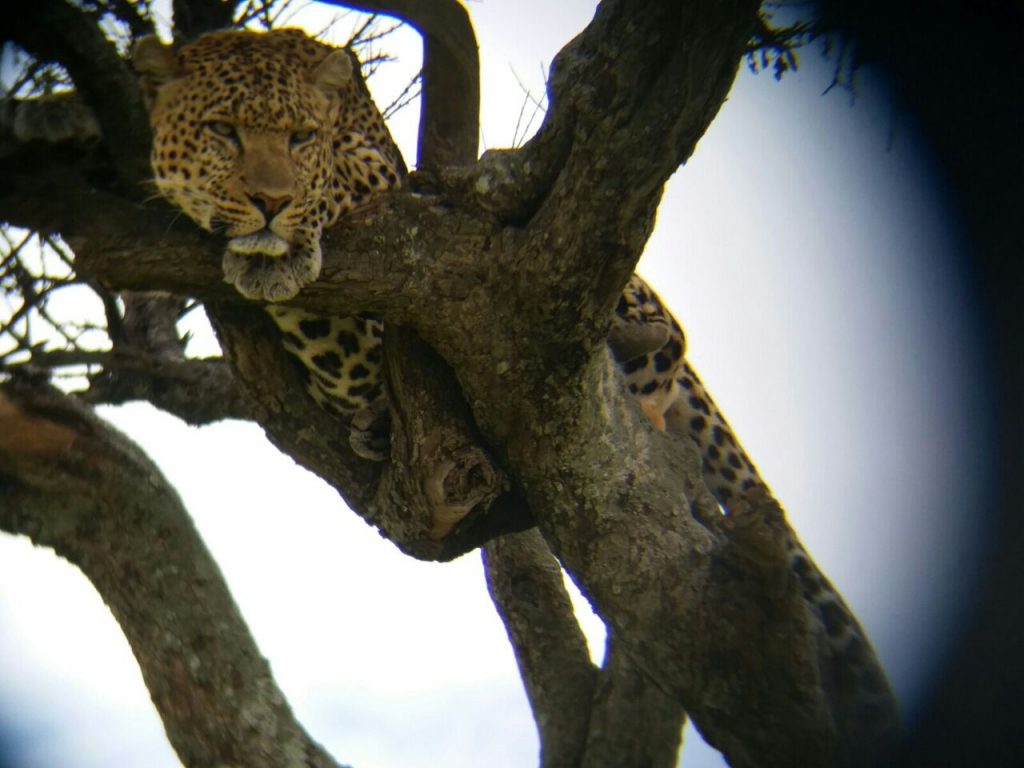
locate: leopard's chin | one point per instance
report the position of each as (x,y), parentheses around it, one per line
(262,243)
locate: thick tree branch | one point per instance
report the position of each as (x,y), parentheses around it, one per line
(441,478)
(431,499)
(450,113)
(656,75)
(603,718)
(53,30)
(62,187)
(72,483)
(632,722)
(525,583)
(517,302)
(193,17)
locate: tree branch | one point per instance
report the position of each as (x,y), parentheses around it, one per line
(441,479)
(193,17)
(633,722)
(610,717)
(511,281)
(196,391)
(52,30)
(72,483)
(450,115)
(525,583)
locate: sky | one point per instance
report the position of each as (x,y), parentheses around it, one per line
(809,253)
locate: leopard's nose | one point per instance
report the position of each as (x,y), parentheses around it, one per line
(270,205)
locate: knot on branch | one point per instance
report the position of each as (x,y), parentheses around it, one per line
(31,436)
(440,469)
(460,480)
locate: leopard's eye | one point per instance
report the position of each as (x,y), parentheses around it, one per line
(305,136)
(223,129)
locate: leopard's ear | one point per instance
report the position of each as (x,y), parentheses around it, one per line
(333,73)
(157,65)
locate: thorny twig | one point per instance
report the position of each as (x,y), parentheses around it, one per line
(538,108)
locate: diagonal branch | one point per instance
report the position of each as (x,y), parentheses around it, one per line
(72,483)
(525,583)
(603,718)
(632,722)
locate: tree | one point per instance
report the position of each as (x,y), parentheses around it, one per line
(681,592)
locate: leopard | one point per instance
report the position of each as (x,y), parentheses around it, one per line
(649,347)
(269,138)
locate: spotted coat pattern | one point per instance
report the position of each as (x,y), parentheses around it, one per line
(673,398)
(339,358)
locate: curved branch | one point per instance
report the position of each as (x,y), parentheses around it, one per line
(53,30)
(450,115)
(72,483)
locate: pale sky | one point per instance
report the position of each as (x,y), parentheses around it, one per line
(813,270)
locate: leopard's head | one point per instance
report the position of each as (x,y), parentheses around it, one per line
(266,138)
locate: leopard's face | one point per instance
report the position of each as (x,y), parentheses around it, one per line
(266,138)
(239,165)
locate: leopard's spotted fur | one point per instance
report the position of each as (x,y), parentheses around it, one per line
(270,138)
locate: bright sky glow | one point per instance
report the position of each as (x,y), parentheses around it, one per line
(814,272)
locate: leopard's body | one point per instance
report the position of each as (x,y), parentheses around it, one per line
(272,137)
(339,357)
(670,393)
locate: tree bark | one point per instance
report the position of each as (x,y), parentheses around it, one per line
(586,716)
(508,270)
(70,482)
(525,583)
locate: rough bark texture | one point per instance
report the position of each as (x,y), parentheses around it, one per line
(632,722)
(613,716)
(525,582)
(70,482)
(507,271)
